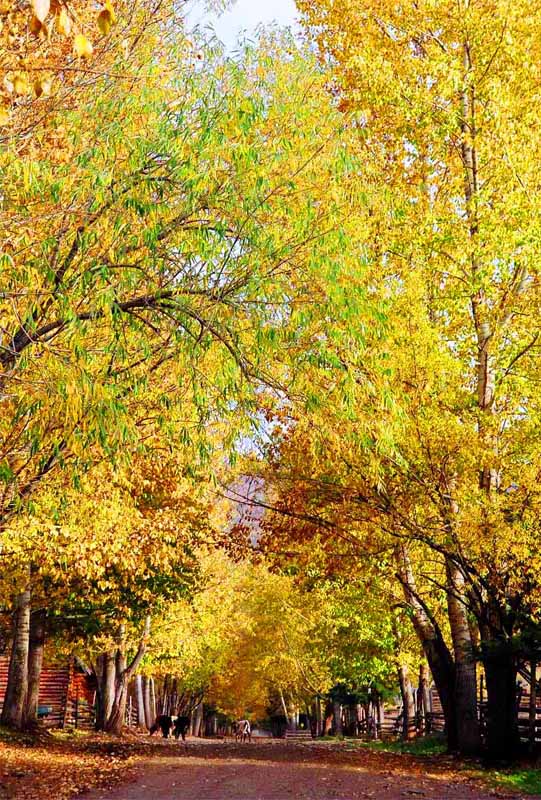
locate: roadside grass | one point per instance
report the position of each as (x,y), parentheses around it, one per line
(9,736)
(523,779)
(68,734)
(424,746)
(526,780)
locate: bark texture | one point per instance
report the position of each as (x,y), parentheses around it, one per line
(113,675)
(35,663)
(408,703)
(13,711)
(468,733)
(123,674)
(437,653)
(146,699)
(141,718)
(337,718)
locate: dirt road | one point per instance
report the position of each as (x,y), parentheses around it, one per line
(279,771)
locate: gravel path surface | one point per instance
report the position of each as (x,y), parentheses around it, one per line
(277,771)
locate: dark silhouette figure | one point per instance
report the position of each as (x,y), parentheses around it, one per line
(181,727)
(163,723)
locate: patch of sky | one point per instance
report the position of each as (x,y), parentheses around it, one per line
(242,19)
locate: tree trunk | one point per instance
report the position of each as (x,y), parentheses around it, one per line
(105,678)
(105,687)
(166,699)
(116,719)
(434,646)
(468,733)
(113,677)
(98,672)
(408,703)
(327,726)
(108,685)
(174,698)
(123,674)
(35,662)
(146,700)
(284,708)
(198,719)
(141,716)
(153,711)
(319,717)
(380,721)
(532,710)
(337,718)
(502,738)
(13,711)
(424,697)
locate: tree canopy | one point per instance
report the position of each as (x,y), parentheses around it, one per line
(313,265)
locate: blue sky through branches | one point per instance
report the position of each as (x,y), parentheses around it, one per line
(244,16)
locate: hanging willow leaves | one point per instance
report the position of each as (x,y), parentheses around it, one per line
(153,287)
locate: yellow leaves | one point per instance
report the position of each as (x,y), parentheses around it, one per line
(63,22)
(42,86)
(8,84)
(4,116)
(41,9)
(21,85)
(82,46)
(106,18)
(105,21)
(35,26)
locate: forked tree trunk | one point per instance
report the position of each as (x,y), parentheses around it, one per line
(35,663)
(113,677)
(434,646)
(13,711)
(123,674)
(468,733)
(115,720)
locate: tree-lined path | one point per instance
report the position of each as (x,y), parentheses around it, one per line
(270,419)
(277,771)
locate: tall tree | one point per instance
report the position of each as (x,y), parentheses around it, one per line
(443,99)
(172,232)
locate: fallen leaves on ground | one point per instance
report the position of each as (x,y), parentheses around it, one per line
(62,766)
(59,768)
